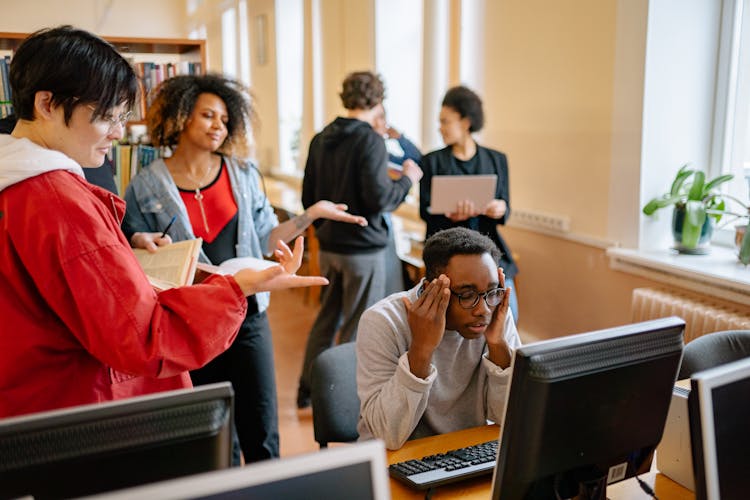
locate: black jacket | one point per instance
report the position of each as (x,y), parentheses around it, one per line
(441,162)
(347,163)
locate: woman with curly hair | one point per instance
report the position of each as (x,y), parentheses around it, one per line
(214,193)
(461,115)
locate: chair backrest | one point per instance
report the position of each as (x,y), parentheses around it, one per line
(714,349)
(333,392)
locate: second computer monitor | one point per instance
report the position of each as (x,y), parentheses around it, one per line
(586,410)
(719,434)
(100,447)
(354,472)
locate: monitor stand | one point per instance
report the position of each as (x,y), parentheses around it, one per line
(590,486)
(593,489)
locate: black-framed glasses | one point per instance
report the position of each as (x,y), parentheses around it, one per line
(470,299)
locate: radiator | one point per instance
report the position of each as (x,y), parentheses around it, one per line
(701,314)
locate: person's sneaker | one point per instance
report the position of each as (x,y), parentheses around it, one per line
(303,398)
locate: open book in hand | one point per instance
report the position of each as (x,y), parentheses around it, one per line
(171,265)
(231,266)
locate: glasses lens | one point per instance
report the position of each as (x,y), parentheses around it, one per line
(494,297)
(123,118)
(467,300)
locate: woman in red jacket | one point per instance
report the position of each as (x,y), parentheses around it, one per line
(80,322)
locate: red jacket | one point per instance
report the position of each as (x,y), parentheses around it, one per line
(79,322)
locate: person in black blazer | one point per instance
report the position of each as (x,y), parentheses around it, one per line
(460,116)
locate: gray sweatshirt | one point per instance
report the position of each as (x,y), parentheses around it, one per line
(464,388)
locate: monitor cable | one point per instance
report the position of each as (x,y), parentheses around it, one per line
(645,487)
(428,494)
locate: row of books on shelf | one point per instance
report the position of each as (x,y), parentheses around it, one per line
(152,74)
(128,160)
(5,94)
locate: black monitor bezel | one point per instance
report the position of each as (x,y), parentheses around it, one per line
(47,454)
(619,347)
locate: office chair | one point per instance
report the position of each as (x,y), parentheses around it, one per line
(333,393)
(714,349)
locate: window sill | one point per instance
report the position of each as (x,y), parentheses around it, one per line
(718,274)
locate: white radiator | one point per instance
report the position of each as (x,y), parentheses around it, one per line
(701,314)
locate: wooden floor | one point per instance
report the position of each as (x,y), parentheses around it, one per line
(291,317)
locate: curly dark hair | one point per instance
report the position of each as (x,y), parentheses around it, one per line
(362,90)
(468,104)
(443,245)
(175,99)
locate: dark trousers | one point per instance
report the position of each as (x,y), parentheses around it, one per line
(248,365)
(356,281)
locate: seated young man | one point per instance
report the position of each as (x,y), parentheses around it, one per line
(435,359)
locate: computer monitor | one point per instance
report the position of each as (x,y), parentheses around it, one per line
(93,448)
(719,434)
(586,410)
(354,471)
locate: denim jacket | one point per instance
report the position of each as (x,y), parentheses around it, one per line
(152,199)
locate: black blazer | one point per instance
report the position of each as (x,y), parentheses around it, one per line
(442,162)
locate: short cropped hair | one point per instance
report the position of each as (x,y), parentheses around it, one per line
(76,66)
(468,104)
(443,245)
(362,90)
(175,100)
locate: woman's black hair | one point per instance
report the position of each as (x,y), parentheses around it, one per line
(443,245)
(76,66)
(175,99)
(467,104)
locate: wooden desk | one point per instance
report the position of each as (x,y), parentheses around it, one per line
(481,487)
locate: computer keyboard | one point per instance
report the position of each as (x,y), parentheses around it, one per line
(448,467)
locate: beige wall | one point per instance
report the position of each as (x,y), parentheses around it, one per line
(263,79)
(138,18)
(548,97)
(566,287)
(348,42)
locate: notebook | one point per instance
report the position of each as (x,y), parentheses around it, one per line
(448,190)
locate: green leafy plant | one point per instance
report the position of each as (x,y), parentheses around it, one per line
(699,199)
(742,235)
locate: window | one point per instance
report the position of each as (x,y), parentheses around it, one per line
(731,150)
(398,59)
(229,42)
(289,47)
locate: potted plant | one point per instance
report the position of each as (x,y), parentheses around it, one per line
(697,206)
(741,234)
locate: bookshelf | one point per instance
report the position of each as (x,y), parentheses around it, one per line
(158,51)
(195,50)
(154,59)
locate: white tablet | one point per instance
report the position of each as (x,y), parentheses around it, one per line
(448,190)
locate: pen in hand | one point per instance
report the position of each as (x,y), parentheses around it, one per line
(164,233)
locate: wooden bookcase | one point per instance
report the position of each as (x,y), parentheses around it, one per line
(194,50)
(157,50)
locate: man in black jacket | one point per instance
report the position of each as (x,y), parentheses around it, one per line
(348,163)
